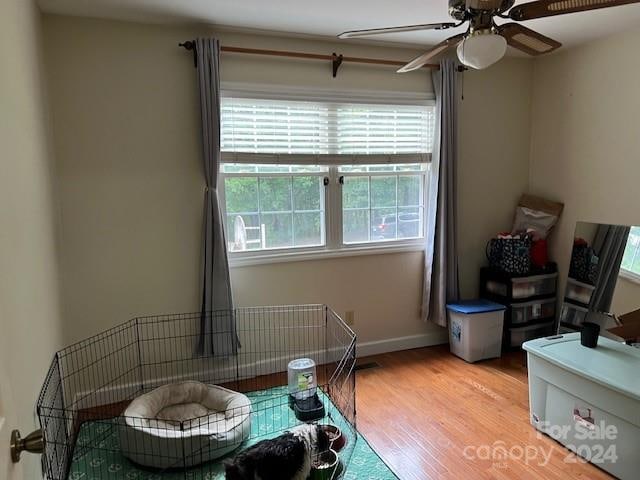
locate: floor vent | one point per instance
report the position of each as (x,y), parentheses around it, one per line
(367,366)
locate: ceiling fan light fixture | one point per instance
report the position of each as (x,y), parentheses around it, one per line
(481,49)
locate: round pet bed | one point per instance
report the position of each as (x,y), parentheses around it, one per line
(184,424)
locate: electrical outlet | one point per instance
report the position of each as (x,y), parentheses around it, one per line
(350,317)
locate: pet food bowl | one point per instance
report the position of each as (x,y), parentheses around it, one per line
(326,466)
(308,409)
(337,441)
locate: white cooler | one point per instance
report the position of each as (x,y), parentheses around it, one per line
(475,329)
(588,399)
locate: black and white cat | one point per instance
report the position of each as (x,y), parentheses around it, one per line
(287,457)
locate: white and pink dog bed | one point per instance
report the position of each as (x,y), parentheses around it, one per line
(184,424)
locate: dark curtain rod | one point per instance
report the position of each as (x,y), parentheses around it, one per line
(335,59)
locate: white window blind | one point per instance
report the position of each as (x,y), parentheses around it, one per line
(264,126)
(282,127)
(383,129)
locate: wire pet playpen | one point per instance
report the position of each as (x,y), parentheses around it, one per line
(83,405)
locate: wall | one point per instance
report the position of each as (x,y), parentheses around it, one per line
(585,141)
(126,136)
(626,297)
(493,166)
(29,306)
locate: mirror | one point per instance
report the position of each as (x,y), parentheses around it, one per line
(604,276)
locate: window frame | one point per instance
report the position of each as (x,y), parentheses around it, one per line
(425,174)
(265,252)
(630,274)
(334,245)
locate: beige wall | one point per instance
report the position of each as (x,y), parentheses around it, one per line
(29,308)
(126,137)
(493,165)
(585,142)
(626,297)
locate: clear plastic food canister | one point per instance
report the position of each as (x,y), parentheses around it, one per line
(302,378)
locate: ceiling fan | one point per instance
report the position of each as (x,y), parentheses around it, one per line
(485,42)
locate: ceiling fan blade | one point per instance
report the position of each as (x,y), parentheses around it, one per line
(406,28)
(423,59)
(548,8)
(529,41)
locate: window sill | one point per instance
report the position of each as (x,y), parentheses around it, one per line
(629,276)
(264,258)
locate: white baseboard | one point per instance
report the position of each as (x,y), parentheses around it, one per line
(376,347)
(86,399)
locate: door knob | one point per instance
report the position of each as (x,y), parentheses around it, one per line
(32,443)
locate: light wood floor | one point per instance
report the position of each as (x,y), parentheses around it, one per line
(422,407)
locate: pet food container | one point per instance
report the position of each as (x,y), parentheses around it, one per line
(475,329)
(302,378)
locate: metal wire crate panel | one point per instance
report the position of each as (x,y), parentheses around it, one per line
(90,383)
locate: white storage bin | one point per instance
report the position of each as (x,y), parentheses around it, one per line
(573,314)
(517,336)
(525,287)
(578,291)
(535,310)
(588,399)
(475,329)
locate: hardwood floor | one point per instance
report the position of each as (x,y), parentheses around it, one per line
(423,409)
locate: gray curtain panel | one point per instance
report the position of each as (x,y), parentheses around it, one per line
(441,258)
(609,244)
(217,323)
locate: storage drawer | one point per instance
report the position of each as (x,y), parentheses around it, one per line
(517,336)
(525,287)
(566,329)
(535,310)
(497,288)
(578,291)
(573,314)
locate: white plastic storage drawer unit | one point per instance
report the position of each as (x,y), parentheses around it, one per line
(525,287)
(578,291)
(518,335)
(588,399)
(535,310)
(573,314)
(475,329)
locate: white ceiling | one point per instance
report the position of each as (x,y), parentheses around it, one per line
(330,17)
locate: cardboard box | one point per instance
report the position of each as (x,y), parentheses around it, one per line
(629,331)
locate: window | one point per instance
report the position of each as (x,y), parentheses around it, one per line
(382,202)
(309,176)
(631,259)
(274,206)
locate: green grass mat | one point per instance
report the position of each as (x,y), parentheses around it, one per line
(97,455)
